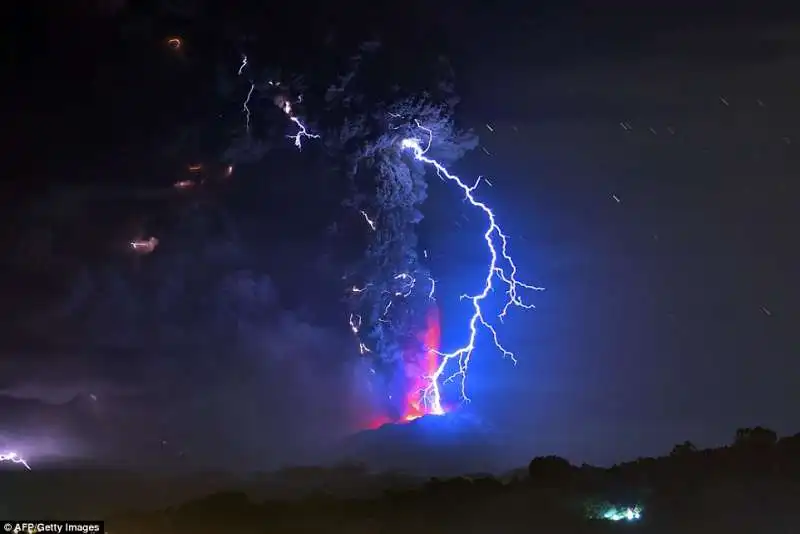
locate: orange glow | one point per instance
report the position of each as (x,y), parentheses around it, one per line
(379,422)
(197,167)
(423,368)
(176,43)
(431,337)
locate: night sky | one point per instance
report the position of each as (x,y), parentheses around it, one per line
(643,160)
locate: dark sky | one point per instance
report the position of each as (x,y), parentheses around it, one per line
(644,162)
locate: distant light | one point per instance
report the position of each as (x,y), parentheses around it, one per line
(184,184)
(176,43)
(197,167)
(623,514)
(144,246)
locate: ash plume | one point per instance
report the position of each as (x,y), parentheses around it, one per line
(389,284)
(365,113)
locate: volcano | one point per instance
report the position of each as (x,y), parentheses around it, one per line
(446,445)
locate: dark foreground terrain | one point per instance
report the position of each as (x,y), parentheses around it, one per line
(751,486)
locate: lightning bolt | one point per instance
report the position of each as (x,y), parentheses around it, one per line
(246,106)
(14,458)
(501,270)
(370,222)
(301,132)
(281,102)
(246,103)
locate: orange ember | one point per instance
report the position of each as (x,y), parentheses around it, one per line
(176,43)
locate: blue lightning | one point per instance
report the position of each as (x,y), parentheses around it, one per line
(501,266)
(497,243)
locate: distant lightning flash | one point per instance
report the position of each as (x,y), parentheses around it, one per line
(246,103)
(14,458)
(497,243)
(246,107)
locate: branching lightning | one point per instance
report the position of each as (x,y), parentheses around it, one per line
(302,131)
(282,102)
(501,268)
(14,458)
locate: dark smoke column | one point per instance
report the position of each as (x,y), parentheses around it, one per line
(389,287)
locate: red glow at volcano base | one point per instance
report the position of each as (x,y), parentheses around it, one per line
(430,338)
(418,369)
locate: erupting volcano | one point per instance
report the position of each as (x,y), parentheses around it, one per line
(418,372)
(415,407)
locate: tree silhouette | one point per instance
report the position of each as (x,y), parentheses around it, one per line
(550,470)
(683,449)
(755,438)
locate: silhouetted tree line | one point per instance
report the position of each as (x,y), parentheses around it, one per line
(751,485)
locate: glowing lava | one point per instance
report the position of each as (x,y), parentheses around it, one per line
(418,374)
(415,402)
